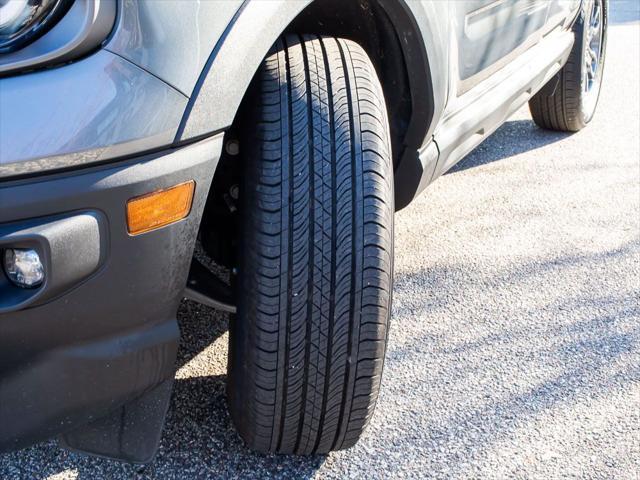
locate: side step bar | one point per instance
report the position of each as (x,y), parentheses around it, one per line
(205,288)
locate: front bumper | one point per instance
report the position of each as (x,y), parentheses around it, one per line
(79,355)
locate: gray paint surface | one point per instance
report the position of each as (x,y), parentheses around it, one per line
(171,38)
(95,109)
(433,21)
(488,30)
(505,92)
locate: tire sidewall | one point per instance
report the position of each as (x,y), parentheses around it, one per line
(587,110)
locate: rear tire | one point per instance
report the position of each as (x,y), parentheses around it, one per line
(308,344)
(568,101)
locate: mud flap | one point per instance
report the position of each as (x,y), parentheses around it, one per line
(131,433)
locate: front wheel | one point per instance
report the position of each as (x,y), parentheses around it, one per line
(315,279)
(568,101)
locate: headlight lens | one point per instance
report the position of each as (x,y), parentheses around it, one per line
(22,21)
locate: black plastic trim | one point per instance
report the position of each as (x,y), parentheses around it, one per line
(113,338)
(71,247)
(205,71)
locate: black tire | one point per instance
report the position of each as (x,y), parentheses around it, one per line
(563,104)
(308,343)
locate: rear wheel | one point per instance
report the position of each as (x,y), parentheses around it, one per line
(308,343)
(568,101)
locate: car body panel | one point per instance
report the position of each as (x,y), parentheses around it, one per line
(432,24)
(171,39)
(99,108)
(178,43)
(215,100)
(486,31)
(561,13)
(487,35)
(453,133)
(502,95)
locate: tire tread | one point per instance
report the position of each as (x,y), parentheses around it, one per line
(308,344)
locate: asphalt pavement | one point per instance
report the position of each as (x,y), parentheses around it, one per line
(515,344)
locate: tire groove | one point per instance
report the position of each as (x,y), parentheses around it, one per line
(353,252)
(332,275)
(310,258)
(289,253)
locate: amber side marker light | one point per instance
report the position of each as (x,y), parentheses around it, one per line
(157,209)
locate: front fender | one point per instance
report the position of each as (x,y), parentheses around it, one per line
(420,26)
(233,63)
(210,51)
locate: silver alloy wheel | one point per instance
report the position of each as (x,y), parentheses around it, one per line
(593,54)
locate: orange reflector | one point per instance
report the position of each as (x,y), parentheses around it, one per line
(157,209)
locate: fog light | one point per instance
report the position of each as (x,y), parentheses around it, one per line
(23,267)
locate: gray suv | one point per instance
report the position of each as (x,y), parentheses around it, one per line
(274,138)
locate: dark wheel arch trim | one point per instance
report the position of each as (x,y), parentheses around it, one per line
(219,91)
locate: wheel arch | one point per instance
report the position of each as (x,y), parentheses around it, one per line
(387,30)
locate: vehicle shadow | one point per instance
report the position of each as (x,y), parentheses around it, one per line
(512,138)
(590,339)
(199,433)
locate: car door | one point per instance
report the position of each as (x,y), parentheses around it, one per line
(487,34)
